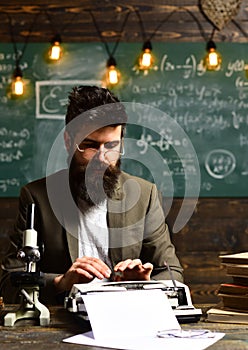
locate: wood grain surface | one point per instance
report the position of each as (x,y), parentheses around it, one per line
(178,20)
(28,335)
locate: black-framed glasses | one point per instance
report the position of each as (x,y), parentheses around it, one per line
(113,151)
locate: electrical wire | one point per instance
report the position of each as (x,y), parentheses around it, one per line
(62,29)
(110,53)
(172,13)
(18,56)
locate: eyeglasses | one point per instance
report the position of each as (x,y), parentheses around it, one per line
(193,333)
(112,154)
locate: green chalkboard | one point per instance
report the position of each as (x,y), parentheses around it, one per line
(188,128)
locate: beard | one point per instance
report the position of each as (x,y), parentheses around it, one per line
(93,182)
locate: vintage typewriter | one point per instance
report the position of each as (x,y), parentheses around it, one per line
(178,295)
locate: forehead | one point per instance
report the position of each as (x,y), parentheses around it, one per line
(107,133)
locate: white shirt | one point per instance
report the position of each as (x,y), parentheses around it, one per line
(93,237)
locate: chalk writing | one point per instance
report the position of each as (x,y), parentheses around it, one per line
(243,140)
(147,140)
(24,133)
(5,184)
(10,157)
(237,103)
(239,120)
(207,186)
(234,67)
(176,164)
(6,68)
(12,143)
(220,163)
(163,143)
(51,96)
(190,67)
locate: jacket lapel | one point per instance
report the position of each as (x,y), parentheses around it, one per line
(72,245)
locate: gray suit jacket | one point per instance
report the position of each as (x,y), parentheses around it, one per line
(135,218)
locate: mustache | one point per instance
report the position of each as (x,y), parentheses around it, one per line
(94,164)
(93,181)
(95,168)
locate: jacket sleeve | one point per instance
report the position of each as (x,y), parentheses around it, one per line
(141,231)
(10,263)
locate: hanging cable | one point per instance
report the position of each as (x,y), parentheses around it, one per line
(110,53)
(55,52)
(172,13)
(146,58)
(17,86)
(240,28)
(112,73)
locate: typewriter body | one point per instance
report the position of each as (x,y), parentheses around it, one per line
(178,296)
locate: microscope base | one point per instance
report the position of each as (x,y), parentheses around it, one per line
(30,308)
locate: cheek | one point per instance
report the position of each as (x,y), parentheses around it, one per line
(78,160)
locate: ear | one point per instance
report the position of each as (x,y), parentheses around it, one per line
(67,140)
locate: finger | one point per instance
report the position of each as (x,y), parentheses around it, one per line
(88,271)
(131,264)
(128,264)
(86,274)
(94,264)
(92,267)
(93,261)
(121,266)
(134,263)
(80,267)
(148,266)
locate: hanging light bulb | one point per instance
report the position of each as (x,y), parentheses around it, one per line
(146,58)
(17,87)
(55,51)
(212,59)
(246,70)
(112,74)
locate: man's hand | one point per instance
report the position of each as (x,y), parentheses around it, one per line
(83,270)
(132,270)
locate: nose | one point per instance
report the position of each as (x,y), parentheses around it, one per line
(101,152)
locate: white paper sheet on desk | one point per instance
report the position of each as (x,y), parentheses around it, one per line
(146,343)
(129,313)
(130,321)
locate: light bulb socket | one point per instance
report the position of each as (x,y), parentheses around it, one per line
(17,72)
(210,45)
(111,62)
(147,45)
(56,39)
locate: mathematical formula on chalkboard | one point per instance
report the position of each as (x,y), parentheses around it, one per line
(187,130)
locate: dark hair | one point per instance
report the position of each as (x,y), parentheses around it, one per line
(85,101)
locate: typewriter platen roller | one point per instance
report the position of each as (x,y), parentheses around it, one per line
(179,296)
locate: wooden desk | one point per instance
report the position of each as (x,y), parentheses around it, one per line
(26,335)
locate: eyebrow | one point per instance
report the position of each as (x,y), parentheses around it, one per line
(91,141)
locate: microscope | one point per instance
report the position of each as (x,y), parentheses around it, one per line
(30,280)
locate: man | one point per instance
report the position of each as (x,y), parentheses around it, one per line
(94,222)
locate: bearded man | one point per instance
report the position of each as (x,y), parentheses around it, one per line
(94,221)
